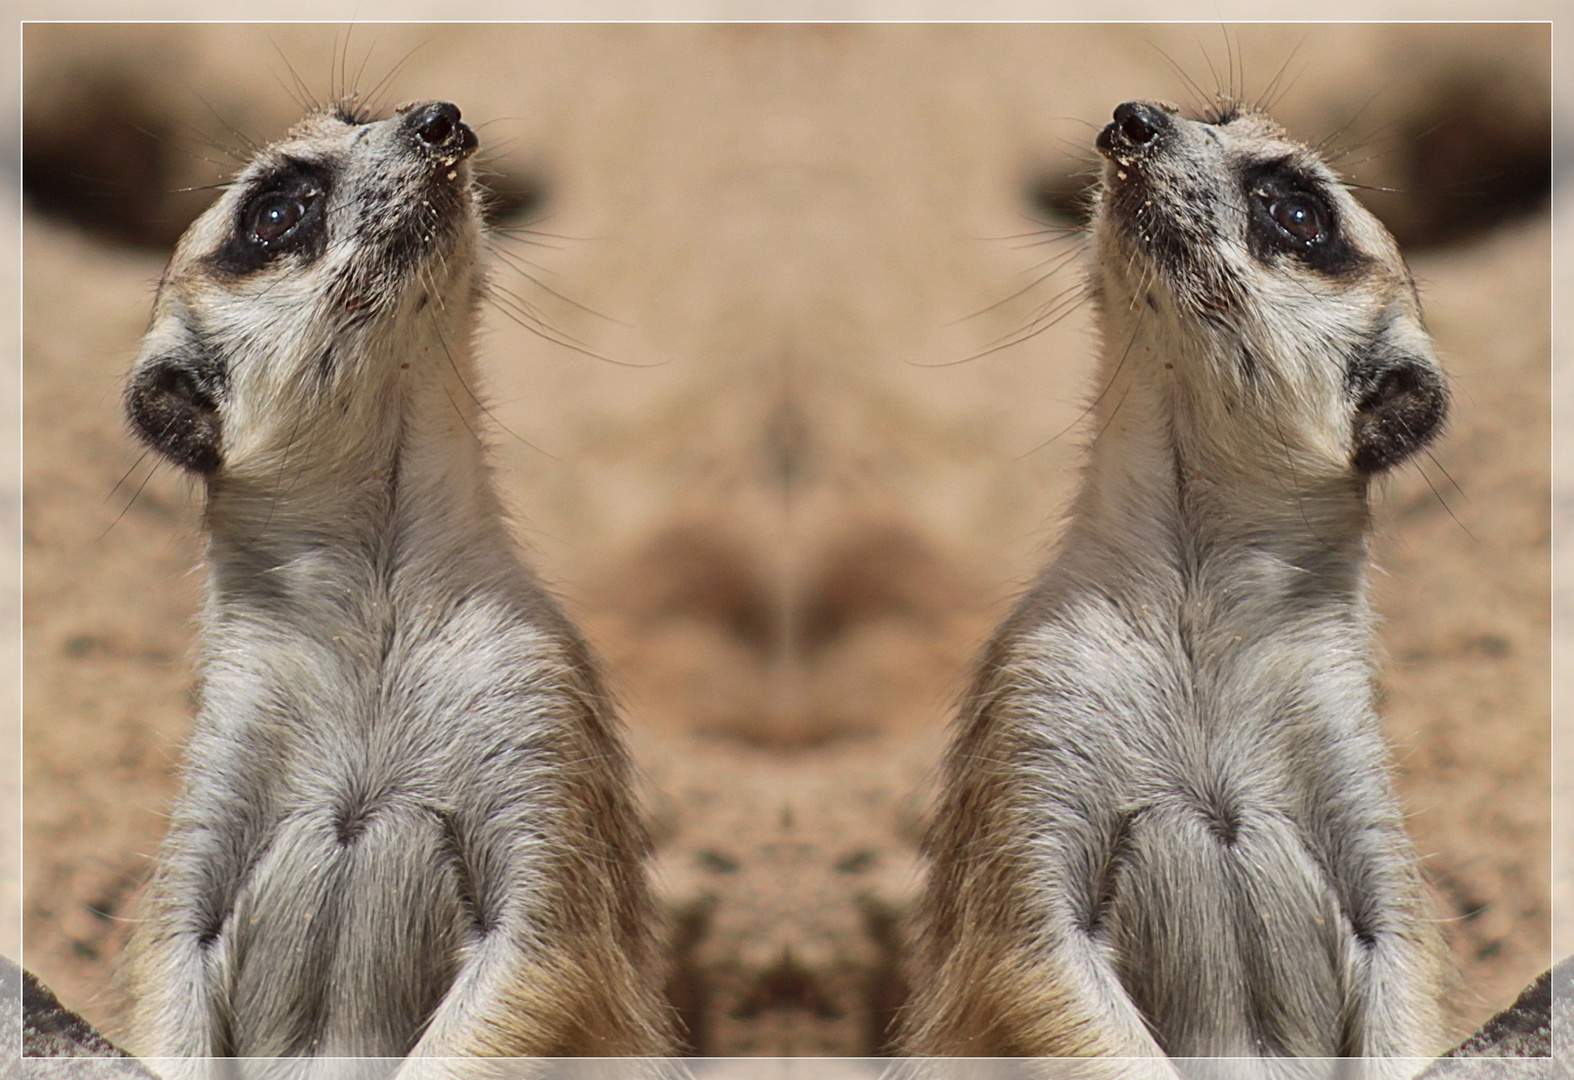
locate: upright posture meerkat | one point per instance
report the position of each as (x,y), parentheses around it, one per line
(407,826)
(1166,825)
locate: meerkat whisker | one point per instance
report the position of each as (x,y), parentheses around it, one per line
(129,504)
(127,474)
(476,400)
(1087,411)
(1200,99)
(1050,237)
(1272,94)
(529,228)
(518,263)
(374,96)
(1056,264)
(220,186)
(366,59)
(1039,230)
(519,235)
(1321,147)
(1447,475)
(297,89)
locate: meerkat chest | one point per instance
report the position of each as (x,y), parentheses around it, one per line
(1192,716)
(360,719)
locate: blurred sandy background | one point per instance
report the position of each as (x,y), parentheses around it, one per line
(780,506)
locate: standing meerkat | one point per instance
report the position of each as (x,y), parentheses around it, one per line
(1166,824)
(407,825)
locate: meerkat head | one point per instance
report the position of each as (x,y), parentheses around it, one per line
(1290,309)
(339,257)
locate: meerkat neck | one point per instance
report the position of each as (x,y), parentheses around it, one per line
(410,495)
(1161,494)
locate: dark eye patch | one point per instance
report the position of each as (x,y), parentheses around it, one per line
(284,212)
(1288,213)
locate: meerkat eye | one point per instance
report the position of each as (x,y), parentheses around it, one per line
(1301,217)
(284,214)
(275,216)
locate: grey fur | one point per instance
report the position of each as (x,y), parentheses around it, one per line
(407,824)
(1166,826)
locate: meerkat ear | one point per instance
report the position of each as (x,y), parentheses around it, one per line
(174,394)
(1400,398)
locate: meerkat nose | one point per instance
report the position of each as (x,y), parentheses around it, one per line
(1138,125)
(1138,129)
(437,125)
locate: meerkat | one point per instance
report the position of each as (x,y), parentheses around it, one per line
(1166,826)
(407,826)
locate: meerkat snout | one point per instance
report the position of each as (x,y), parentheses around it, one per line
(437,125)
(1137,127)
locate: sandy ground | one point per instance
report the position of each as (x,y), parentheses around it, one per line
(786,514)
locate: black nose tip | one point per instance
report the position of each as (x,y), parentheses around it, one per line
(436,123)
(1139,124)
(1137,127)
(437,126)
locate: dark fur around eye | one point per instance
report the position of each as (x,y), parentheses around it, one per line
(1289,216)
(284,213)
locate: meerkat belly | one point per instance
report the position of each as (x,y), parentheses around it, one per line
(347,931)
(1227,935)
